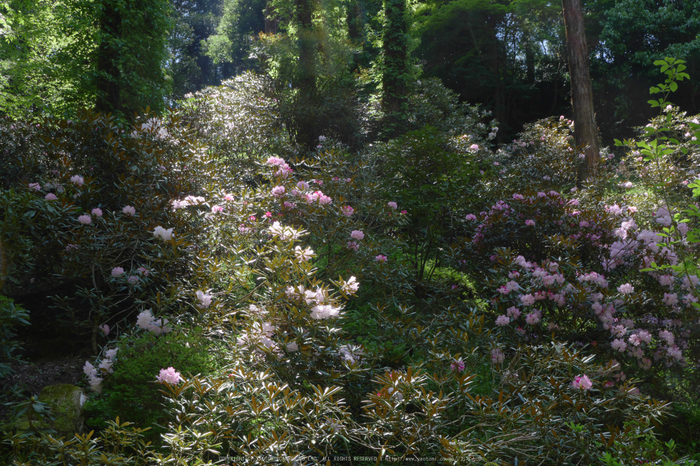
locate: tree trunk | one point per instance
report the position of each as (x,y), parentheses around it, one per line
(271,21)
(395,72)
(108,58)
(585,130)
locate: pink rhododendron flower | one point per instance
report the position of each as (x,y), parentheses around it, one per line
(474,147)
(502,320)
(527,299)
(393,205)
(582,382)
(625,289)
(303,255)
(619,345)
(497,356)
(35,186)
(470,217)
(216,209)
(530,223)
(133,279)
(85,219)
(204,299)
(457,365)
(357,234)
(50,197)
(347,210)
(380,258)
(77,180)
(129,210)
(324,311)
(104,328)
(670,299)
(117,271)
(532,318)
(162,233)
(169,375)
(351,286)
(97,212)
(278,191)
(353,245)
(513,312)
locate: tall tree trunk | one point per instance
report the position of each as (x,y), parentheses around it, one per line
(585,130)
(395,72)
(271,20)
(108,58)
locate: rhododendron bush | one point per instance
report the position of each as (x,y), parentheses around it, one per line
(429,296)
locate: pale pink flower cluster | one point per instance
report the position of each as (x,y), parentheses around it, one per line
(353,245)
(613,209)
(324,311)
(93,379)
(502,320)
(513,312)
(625,289)
(204,299)
(187,201)
(85,219)
(162,233)
(278,191)
(105,366)
(35,186)
(129,210)
(146,321)
(169,376)
(347,211)
(318,196)
(393,205)
(497,356)
(117,271)
(349,287)
(582,382)
(380,258)
(530,223)
(77,180)
(457,365)
(470,217)
(527,299)
(663,216)
(97,212)
(533,318)
(283,168)
(217,209)
(285,233)
(303,255)
(357,234)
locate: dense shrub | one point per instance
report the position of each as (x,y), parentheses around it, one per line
(11,316)
(130,391)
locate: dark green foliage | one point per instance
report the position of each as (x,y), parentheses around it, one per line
(132,393)
(47,248)
(11,316)
(427,177)
(239,25)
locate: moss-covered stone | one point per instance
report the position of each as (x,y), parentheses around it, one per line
(66,402)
